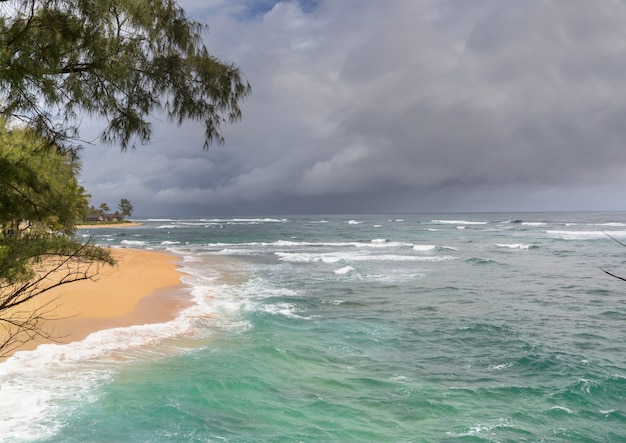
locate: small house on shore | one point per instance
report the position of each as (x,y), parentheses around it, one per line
(107,218)
(21,228)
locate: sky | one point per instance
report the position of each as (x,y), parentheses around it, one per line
(395,106)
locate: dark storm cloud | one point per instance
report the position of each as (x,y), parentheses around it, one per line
(366,106)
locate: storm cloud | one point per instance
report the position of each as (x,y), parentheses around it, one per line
(396,106)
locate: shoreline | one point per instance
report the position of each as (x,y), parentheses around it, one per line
(143,287)
(129,224)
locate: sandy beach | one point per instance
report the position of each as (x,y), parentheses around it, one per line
(129,224)
(142,287)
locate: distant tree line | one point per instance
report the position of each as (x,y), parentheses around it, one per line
(124,209)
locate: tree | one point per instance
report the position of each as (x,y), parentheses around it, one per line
(60,61)
(40,199)
(121,60)
(125,207)
(104,208)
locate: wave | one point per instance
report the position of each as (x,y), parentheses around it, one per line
(239,220)
(513,245)
(60,377)
(42,386)
(424,248)
(481,261)
(459,222)
(584,235)
(134,242)
(481,431)
(169,227)
(288,310)
(374,243)
(344,270)
(180,224)
(333,257)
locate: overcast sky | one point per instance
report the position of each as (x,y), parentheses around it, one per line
(367,106)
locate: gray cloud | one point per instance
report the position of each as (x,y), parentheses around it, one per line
(368,106)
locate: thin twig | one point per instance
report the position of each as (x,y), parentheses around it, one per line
(604,270)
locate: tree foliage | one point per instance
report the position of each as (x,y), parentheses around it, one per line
(40,201)
(37,183)
(116,59)
(119,61)
(125,207)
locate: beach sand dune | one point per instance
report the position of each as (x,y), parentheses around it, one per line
(142,287)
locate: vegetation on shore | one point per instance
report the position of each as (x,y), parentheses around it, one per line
(120,61)
(40,200)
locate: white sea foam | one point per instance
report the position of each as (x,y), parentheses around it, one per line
(287,243)
(481,428)
(584,235)
(133,242)
(512,245)
(242,220)
(533,223)
(217,222)
(354,222)
(500,367)
(424,248)
(459,222)
(40,388)
(562,408)
(285,309)
(54,377)
(236,248)
(330,259)
(32,388)
(400,379)
(344,270)
(303,257)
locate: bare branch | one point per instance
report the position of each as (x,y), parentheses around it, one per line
(613,238)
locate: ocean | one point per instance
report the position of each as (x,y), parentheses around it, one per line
(351,328)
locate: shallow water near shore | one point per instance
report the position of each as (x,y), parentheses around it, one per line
(430,327)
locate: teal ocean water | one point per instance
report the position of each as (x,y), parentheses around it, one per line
(401,328)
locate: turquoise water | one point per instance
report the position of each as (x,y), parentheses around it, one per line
(424,328)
